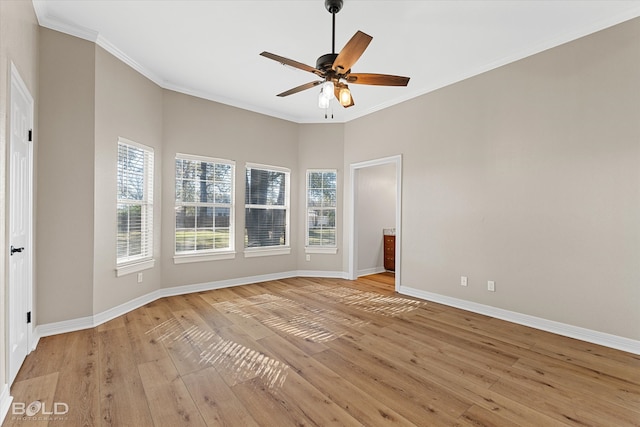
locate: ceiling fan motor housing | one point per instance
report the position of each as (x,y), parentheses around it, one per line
(325,62)
(333,6)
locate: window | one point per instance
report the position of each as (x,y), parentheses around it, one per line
(204,206)
(135,204)
(321,210)
(266,209)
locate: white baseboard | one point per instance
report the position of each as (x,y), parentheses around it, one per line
(588,335)
(65,326)
(369,271)
(323,274)
(5,402)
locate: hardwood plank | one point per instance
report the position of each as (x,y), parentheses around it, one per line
(628,369)
(216,402)
(238,358)
(123,401)
(316,406)
(37,389)
(360,405)
(479,416)
(144,346)
(266,408)
(118,322)
(231,311)
(169,401)
(422,404)
(601,386)
(47,359)
(82,393)
(560,403)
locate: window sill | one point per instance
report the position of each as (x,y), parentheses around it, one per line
(320,250)
(256,252)
(184,259)
(134,267)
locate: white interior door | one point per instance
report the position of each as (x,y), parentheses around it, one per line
(20,222)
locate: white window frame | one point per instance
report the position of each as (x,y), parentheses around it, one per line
(250,252)
(320,249)
(207,254)
(143,261)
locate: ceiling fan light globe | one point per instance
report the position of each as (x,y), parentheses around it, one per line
(323,102)
(345,96)
(326,91)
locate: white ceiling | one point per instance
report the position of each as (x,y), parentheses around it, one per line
(211,48)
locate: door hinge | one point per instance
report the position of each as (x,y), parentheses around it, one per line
(30,134)
(28,317)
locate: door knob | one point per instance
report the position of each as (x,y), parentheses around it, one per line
(14,250)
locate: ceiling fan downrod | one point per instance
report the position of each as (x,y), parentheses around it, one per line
(333,6)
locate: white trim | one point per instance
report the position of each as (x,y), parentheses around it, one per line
(124,269)
(583,334)
(266,251)
(321,250)
(126,141)
(201,257)
(369,271)
(353,250)
(323,274)
(5,402)
(270,168)
(197,158)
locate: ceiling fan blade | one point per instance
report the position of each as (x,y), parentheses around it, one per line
(300,88)
(292,63)
(351,52)
(377,79)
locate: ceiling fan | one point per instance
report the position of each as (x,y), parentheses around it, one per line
(335,68)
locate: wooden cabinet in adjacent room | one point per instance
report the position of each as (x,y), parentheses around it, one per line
(389,252)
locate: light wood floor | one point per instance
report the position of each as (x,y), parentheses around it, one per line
(301,352)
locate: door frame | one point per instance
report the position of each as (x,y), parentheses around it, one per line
(353,215)
(18,84)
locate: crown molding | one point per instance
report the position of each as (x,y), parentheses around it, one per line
(48,20)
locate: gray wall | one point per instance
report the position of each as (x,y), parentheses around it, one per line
(66,156)
(527,175)
(320,146)
(127,105)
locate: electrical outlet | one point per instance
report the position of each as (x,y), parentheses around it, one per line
(308,257)
(463,280)
(139,277)
(491,286)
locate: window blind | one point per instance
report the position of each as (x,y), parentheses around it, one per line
(321,208)
(266,206)
(204,204)
(135,202)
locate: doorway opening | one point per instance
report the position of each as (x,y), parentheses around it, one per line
(375,209)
